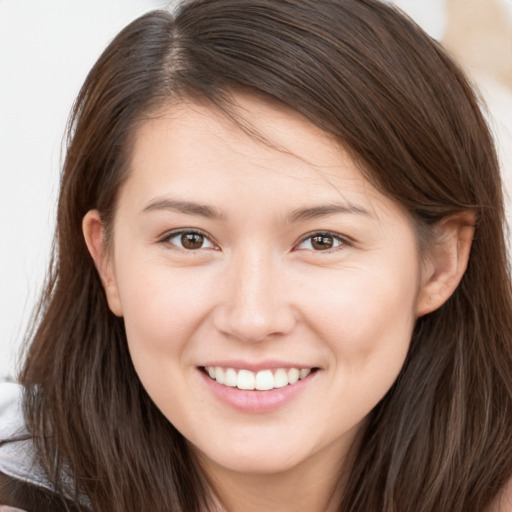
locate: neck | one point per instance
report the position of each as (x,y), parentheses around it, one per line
(314,486)
(273,492)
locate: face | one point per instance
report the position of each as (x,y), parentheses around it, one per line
(268,291)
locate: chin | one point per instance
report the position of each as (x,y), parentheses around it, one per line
(253,460)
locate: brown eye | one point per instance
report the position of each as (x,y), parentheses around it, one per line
(321,241)
(192,240)
(189,240)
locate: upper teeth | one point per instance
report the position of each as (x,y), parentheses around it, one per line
(262,380)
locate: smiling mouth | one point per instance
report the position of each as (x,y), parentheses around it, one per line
(262,380)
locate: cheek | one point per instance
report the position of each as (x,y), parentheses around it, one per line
(367,317)
(367,326)
(162,306)
(163,309)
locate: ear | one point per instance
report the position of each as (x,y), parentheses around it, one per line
(94,234)
(446,261)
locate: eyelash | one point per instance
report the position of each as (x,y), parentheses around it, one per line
(173,234)
(339,239)
(342,241)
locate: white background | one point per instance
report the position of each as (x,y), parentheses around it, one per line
(46,50)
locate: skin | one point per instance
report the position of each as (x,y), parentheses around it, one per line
(259,290)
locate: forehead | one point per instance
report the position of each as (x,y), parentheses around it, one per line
(265,151)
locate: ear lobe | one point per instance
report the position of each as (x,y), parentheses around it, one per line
(94,234)
(447,261)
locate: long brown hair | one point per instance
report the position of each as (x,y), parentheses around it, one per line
(441,439)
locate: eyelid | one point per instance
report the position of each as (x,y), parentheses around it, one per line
(342,239)
(177,232)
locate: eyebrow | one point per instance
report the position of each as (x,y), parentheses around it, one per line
(210,212)
(314,212)
(187,207)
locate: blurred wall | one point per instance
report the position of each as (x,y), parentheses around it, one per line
(479,34)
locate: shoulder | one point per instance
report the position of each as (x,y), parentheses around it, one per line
(23,486)
(23,483)
(18,496)
(17,455)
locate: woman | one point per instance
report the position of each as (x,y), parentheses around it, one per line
(280,280)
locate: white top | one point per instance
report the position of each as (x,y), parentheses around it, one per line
(17,457)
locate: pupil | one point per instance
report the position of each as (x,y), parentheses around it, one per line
(322,242)
(192,240)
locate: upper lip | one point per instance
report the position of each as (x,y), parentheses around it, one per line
(269,364)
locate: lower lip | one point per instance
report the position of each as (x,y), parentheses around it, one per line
(257,401)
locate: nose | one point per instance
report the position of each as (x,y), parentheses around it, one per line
(254,304)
